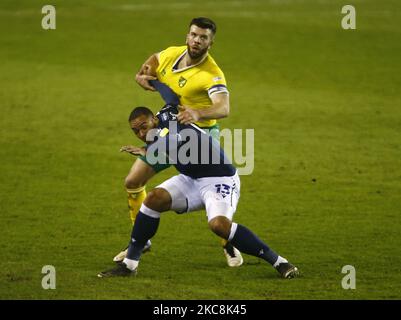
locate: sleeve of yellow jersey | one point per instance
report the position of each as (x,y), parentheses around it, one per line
(216,83)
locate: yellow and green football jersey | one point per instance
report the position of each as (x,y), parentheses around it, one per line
(195,84)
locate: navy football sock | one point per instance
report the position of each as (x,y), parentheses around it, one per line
(247,242)
(145,227)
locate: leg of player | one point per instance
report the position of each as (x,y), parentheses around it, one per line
(232,254)
(247,242)
(135,184)
(145,227)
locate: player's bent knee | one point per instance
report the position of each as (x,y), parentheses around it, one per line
(139,175)
(132,182)
(221,226)
(158,199)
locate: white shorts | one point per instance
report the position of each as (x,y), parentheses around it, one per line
(218,195)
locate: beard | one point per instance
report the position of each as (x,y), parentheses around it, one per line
(196,55)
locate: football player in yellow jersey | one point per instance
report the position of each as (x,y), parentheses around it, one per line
(201,86)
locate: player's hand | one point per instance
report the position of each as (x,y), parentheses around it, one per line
(143,81)
(144,75)
(136,151)
(187,115)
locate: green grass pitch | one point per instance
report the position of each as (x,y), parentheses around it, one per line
(325,105)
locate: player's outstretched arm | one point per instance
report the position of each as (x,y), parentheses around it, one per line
(168,95)
(148,72)
(136,151)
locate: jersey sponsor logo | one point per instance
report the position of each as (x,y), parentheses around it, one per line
(215,79)
(164,116)
(182,81)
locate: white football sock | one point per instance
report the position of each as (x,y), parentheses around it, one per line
(280,259)
(131,264)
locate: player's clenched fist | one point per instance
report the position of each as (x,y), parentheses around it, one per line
(187,115)
(144,76)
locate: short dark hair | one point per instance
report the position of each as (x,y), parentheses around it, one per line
(138,111)
(204,23)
